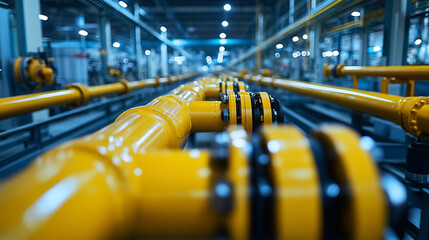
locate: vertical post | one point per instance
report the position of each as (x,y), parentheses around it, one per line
(6,53)
(396,25)
(29,26)
(106,45)
(164,60)
(314,39)
(138,43)
(291,11)
(259,37)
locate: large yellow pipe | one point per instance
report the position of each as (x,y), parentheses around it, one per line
(412,113)
(101,186)
(400,72)
(13,106)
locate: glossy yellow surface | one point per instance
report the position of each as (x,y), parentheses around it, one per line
(206,116)
(400,72)
(297,199)
(266,105)
(13,106)
(353,167)
(409,112)
(246,111)
(238,173)
(232,105)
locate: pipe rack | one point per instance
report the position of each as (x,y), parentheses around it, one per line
(411,113)
(75,95)
(130,180)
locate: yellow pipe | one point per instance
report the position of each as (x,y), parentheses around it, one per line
(206,116)
(400,72)
(13,106)
(411,113)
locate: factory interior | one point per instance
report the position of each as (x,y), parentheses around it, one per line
(221,119)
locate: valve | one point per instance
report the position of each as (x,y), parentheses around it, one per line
(33,73)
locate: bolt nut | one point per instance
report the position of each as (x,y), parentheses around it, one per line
(225,115)
(224,98)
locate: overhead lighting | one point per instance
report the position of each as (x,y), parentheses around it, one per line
(222,35)
(418,41)
(329,53)
(227,7)
(279,46)
(147,52)
(335,53)
(305,36)
(221,48)
(295,39)
(277,55)
(83,33)
(222,41)
(205,68)
(377,48)
(163,29)
(295,55)
(304,53)
(225,23)
(123,4)
(116,44)
(43,17)
(355,14)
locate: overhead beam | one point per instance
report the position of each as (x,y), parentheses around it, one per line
(205,9)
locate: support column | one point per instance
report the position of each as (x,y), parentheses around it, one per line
(29,26)
(138,43)
(396,25)
(106,45)
(259,37)
(164,57)
(315,55)
(291,11)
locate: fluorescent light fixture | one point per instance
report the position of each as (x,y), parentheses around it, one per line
(116,44)
(355,14)
(147,52)
(335,53)
(123,4)
(227,7)
(225,23)
(418,41)
(43,17)
(295,39)
(304,53)
(163,29)
(222,35)
(305,36)
(221,48)
(279,46)
(377,48)
(329,53)
(294,55)
(83,33)
(222,41)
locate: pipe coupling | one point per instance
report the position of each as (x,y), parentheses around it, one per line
(84,94)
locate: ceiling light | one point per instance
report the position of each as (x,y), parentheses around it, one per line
(205,68)
(83,33)
(356,14)
(418,41)
(227,7)
(335,53)
(221,48)
(305,36)
(116,44)
(222,41)
(222,35)
(277,55)
(279,46)
(123,4)
(43,17)
(377,48)
(147,52)
(329,54)
(225,23)
(295,39)
(163,29)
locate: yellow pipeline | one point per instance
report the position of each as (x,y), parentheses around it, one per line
(111,172)
(412,113)
(76,94)
(400,72)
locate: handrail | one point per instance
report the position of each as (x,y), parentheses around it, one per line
(75,94)
(411,113)
(390,75)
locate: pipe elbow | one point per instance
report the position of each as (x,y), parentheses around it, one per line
(414,114)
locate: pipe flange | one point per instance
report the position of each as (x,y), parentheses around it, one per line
(336,71)
(127,88)
(410,119)
(84,94)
